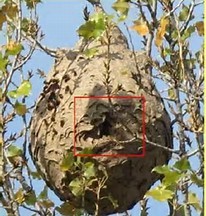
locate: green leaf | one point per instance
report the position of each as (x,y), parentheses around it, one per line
(12,94)
(194,201)
(160,194)
(87,150)
(78,162)
(167,52)
(161,169)
(87,30)
(32,3)
(170,176)
(30,198)
(44,193)
(3,63)
(24,89)
(183,164)
(171,93)
(14,151)
(89,170)
(122,18)
(76,186)
(184,13)
(190,63)
(25,25)
(188,32)
(121,7)
(1,94)
(66,209)
(199,182)
(174,34)
(93,28)
(47,203)
(90,53)
(67,162)
(36,175)
(20,108)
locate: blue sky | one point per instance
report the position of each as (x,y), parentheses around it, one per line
(59,20)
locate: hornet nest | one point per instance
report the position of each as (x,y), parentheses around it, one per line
(101,125)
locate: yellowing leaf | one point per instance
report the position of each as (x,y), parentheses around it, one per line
(2,19)
(124,72)
(19,196)
(161,31)
(158,39)
(140,27)
(10,9)
(13,48)
(164,22)
(200,28)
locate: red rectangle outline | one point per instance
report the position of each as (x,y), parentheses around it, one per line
(113,155)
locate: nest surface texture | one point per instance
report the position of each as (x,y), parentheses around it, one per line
(107,125)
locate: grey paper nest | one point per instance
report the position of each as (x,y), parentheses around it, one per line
(108,126)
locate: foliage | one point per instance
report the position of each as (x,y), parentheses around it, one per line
(166,29)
